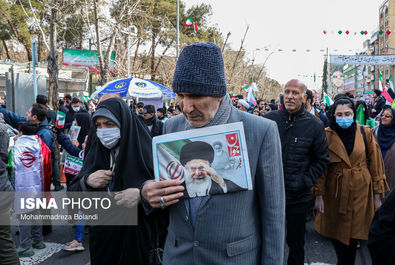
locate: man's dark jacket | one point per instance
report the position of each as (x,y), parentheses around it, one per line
(70,115)
(304,149)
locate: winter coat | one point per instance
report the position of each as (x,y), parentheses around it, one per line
(5,185)
(70,117)
(304,152)
(348,186)
(389,162)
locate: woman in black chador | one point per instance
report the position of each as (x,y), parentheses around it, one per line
(120,160)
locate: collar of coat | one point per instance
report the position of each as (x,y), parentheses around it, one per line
(336,147)
(293,116)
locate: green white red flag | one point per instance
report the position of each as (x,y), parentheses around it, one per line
(190,22)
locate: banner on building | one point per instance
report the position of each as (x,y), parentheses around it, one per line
(85,58)
(363,59)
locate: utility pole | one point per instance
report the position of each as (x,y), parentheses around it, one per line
(178,27)
(128,60)
(34,69)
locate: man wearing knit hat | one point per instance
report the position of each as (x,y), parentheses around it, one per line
(245,227)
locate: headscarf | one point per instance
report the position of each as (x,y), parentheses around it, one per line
(346,135)
(386,133)
(133,165)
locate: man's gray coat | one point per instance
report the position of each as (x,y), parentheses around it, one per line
(246,227)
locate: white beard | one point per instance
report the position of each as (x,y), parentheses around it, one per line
(197,188)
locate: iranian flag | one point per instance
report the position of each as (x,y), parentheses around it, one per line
(250,93)
(384,91)
(60,119)
(328,99)
(169,161)
(190,22)
(391,89)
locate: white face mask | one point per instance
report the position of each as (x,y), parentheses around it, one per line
(76,109)
(109,137)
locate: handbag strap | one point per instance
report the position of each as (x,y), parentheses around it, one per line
(366,143)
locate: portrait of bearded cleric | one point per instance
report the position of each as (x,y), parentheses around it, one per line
(201,178)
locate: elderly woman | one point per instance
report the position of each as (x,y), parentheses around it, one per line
(385,135)
(349,191)
(119,161)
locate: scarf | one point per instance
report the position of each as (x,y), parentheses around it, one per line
(150,121)
(386,134)
(346,135)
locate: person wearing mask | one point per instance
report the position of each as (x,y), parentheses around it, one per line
(350,190)
(385,136)
(70,115)
(310,107)
(242,227)
(8,254)
(378,103)
(305,158)
(110,165)
(155,126)
(242,105)
(161,114)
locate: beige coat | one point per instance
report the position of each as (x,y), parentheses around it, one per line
(347,187)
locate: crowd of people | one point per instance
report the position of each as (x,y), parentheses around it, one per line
(305,157)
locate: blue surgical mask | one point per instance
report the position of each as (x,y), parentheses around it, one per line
(345,122)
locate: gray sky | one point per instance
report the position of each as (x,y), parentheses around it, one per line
(291,24)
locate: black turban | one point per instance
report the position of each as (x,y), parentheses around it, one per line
(196,150)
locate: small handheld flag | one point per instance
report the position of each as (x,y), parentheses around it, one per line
(60,119)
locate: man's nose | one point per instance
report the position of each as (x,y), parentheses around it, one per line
(187,106)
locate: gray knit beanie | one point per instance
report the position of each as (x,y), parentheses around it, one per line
(200,70)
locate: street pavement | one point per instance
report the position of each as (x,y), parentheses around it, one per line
(318,250)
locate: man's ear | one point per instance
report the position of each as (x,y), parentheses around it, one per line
(34,117)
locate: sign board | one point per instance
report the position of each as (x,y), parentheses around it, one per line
(363,59)
(85,58)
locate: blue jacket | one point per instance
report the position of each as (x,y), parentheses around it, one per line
(14,119)
(45,133)
(66,143)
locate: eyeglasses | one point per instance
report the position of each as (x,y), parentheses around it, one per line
(387,116)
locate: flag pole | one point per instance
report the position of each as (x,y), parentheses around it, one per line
(178,27)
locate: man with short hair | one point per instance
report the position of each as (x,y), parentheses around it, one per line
(311,108)
(244,227)
(161,114)
(140,107)
(305,158)
(261,104)
(155,127)
(51,115)
(237,98)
